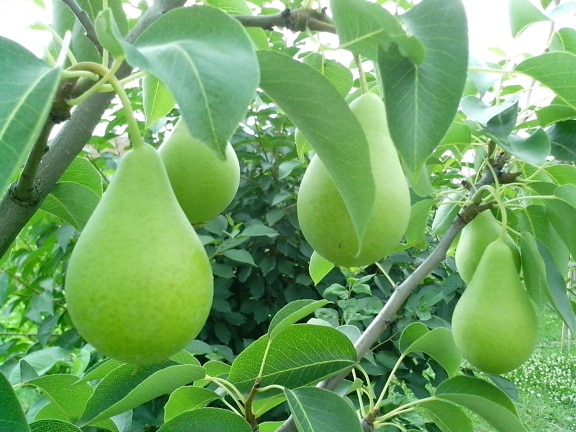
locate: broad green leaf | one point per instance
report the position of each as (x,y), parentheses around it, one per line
(318,410)
(302,354)
(27,86)
(233,7)
(338,74)
(258,230)
(125,388)
(562,137)
(157,100)
(484,399)
(557,294)
(51,425)
(186,399)
(213,71)
(419,214)
(562,216)
(533,270)
(324,118)
(437,343)
(533,149)
(106,31)
(564,40)
(556,70)
(418,113)
(12,417)
(522,14)
(365,27)
(502,116)
(448,417)
(45,359)
(446,212)
(270,426)
(554,113)
(292,313)
(66,392)
(319,267)
(101,369)
(207,420)
(240,255)
(562,175)
(76,194)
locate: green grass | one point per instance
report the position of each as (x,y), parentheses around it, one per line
(546,383)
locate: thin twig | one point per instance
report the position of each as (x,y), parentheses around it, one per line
(85,21)
(294,20)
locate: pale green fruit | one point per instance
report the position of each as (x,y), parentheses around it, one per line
(475,237)
(494,323)
(322,215)
(139,283)
(204,183)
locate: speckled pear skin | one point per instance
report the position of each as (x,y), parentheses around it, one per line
(494,323)
(322,214)
(139,284)
(204,183)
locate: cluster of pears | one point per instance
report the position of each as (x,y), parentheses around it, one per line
(494,323)
(322,214)
(139,284)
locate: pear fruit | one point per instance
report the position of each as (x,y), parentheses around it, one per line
(139,283)
(494,323)
(204,183)
(474,238)
(323,216)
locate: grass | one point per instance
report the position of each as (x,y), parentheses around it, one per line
(546,383)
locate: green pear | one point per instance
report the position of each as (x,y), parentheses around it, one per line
(494,323)
(474,238)
(204,183)
(323,216)
(139,283)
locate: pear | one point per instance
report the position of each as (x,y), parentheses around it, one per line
(139,283)
(322,214)
(475,237)
(494,323)
(204,183)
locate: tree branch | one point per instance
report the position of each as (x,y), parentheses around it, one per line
(294,20)
(69,141)
(85,21)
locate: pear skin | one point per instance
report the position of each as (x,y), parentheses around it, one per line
(323,216)
(494,323)
(139,283)
(204,183)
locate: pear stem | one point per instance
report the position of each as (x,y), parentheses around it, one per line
(361,75)
(108,76)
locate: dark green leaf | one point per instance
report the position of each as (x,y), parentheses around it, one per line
(554,113)
(207,420)
(533,149)
(300,355)
(501,117)
(522,14)
(418,113)
(533,270)
(187,399)
(318,410)
(419,214)
(52,425)
(292,313)
(213,71)
(562,137)
(449,417)
(28,86)
(12,417)
(240,255)
(328,124)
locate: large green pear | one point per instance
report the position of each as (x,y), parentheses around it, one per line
(322,214)
(139,283)
(204,183)
(474,238)
(494,323)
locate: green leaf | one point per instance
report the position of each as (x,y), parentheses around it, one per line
(557,294)
(499,120)
(187,399)
(483,398)
(365,27)
(338,74)
(533,149)
(300,355)
(319,267)
(207,420)
(564,40)
(127,387)
(106,31)
(328,124)
(556,70)
(533,270)
(446,212)
(12,417)
(562,137)
(157,100)
(418,113)
(522,14)
(51,425)
(415,233)
(28,87)
(259,230)
(292,313)
(66,392)
(76,194)
(240,255)
(319,410)
(101,369)
(437,343)
(213,71)
(562,175)
(447,416)
(555,112)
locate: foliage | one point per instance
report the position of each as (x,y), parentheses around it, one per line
(471,138)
